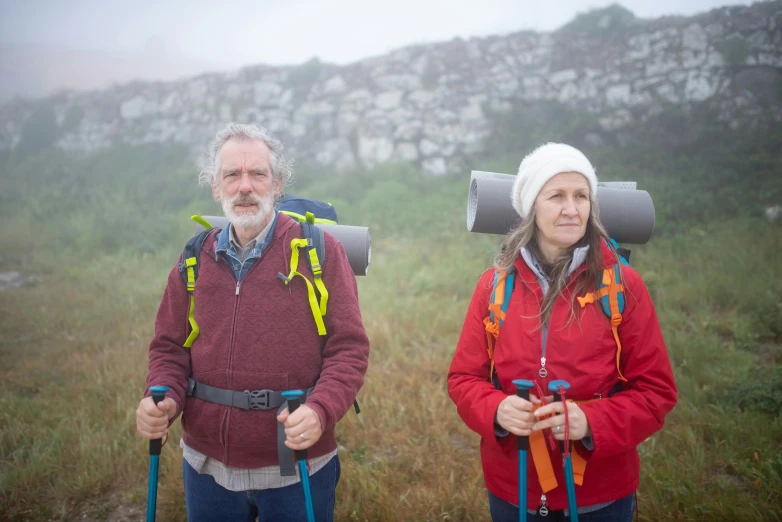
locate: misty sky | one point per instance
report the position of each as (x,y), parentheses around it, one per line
(66,42)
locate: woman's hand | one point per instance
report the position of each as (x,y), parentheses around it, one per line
(579,426)
(514,414)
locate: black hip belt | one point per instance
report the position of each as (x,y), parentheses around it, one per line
(246,400)
(254,400)
(251,400)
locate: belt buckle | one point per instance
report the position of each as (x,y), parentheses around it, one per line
(258,399)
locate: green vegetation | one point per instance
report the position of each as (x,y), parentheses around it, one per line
(600,22)
(100,233)
(734,50)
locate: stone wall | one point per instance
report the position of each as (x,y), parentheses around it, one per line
(430,104)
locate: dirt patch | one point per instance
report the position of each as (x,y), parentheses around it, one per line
(118,507)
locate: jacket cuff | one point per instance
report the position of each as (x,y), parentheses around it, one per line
(588,444)
(500,432)
(324,425)
(494,402)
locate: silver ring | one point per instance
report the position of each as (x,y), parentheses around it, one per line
(559,428)
(302,435)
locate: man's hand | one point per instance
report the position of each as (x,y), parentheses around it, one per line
(514,414)
(579,426)
(152,419)
(302,427)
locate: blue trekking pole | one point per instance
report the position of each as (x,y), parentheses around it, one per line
(294,400)
(558,388)
(522,390)
(158,394)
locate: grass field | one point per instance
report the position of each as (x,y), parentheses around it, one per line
(100,232)
(74,343)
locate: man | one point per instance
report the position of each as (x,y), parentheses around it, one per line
(256,333)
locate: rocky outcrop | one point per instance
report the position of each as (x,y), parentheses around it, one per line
(432,104)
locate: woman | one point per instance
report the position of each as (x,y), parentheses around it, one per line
(558,252)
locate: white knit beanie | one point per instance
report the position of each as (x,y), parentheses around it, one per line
(541,165)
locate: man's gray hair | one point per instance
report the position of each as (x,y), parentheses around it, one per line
(282,169)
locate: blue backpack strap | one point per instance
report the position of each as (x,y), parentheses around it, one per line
(510,278)
(620,295)
(314,236)
(193,250)
(624,253)
(609,288)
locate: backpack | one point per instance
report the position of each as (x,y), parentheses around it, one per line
(303,210)
(609,292)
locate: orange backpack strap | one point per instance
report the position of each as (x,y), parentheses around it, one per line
(500,299)
(610,295)
(579,467)
(542,460)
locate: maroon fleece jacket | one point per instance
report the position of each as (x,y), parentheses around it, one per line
(257,335)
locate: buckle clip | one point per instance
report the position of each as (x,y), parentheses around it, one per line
(258,399)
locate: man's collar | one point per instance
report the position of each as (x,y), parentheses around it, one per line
(226,236)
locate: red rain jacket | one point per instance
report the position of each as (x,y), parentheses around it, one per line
(585,357)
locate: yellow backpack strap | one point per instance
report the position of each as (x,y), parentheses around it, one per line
(316,242)
(317,270)
(201,221)
(188,269)
(194,329)
(317,313)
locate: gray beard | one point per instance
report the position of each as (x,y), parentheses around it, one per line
(245,219)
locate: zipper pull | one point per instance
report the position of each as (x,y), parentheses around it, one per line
(543,509)
(237,287)
(543,372)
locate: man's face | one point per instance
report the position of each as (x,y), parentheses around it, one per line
(245,186)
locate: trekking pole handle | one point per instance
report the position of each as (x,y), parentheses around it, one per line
(553,387)
(522,390)
(294,401)
(158,394)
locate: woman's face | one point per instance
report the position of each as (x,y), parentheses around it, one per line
(561,212)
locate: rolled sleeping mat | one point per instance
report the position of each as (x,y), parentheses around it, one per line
(626,213)
(355,240)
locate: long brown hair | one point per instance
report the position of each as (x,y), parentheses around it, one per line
(525,234)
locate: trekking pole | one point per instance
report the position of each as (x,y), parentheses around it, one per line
(158,394)
(294,400)
(558,388)
(522,390)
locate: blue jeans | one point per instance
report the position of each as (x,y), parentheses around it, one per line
(618,511)
(207,501)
